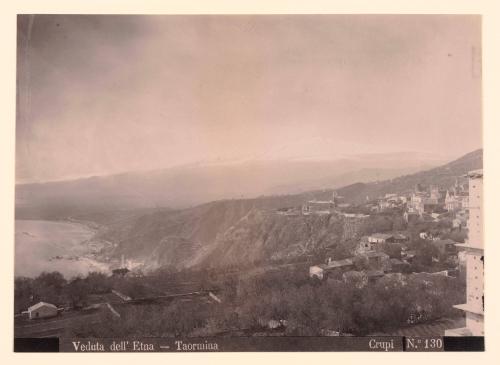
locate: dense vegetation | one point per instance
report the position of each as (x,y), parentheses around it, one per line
(304,307)
(249,301)
(52,287)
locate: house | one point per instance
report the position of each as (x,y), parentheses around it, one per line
(451,202)
(42,310)
(400,238)
(332,268)
(422,202)
(344,205)
(272,323)
(416,203)
(383,205)
(437,194)
(380,238)
(373,242)
(355,215)
(408,255)
(318,207)
(330,333)
(426,235)
(365,246)
(457,223)
(464,200)
(317,271)
(457,197)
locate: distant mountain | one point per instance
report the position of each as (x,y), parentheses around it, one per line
(236,231)
(443,176)
(191,185)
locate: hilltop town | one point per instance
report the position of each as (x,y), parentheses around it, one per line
(430,217)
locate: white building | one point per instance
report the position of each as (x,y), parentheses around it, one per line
(42,310)
(331,268)
(474,258)
(318,207)
(380,238)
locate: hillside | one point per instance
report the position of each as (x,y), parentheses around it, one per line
(224,234)
(238,231)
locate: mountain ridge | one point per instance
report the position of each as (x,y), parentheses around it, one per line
(191,185)
(237,231)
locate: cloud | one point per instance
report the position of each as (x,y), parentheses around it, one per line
(101,94)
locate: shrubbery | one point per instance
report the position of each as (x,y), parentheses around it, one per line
(53,288)
(307,307)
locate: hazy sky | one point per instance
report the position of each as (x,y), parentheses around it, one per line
(104,94)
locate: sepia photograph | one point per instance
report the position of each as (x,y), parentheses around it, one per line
(300,182)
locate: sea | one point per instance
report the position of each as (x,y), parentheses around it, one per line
(54,246)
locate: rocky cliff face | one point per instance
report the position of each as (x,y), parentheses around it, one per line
(263,236)
(221,234)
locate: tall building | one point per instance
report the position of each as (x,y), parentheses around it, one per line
(474,259)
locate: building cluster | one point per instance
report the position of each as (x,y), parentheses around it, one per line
(460,206)
(376,264)
(369,262)
(389,201)
(434,201)
(375,241)
(428,203)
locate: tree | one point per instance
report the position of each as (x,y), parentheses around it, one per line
(361,262)
(97,283)
(23,293)
(48,286)
(77,291)
(51,279)
(392,249)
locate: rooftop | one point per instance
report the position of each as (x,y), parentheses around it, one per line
(469,308)
(320,202)
(397,262)
(445,242)
(400,236)
(41,304)
(381,235)
(475,174)
(338,263)
(373,273)
(469,247)
(375,254)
